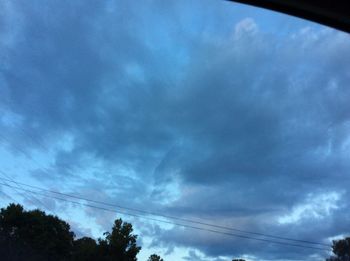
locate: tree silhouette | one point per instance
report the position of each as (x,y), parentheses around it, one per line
(120,244)
(85,249)
(33,235)
(341,248)
(155,257)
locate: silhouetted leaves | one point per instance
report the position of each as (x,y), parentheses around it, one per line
(155,257)
(85,249)
(34,235)
(120,244)
(341,248)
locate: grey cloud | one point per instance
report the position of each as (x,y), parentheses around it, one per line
(247,123)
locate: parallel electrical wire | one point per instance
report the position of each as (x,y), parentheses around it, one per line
(20,185)
(169,222)
(151,212)
(25,154)
(9,179)
(166,216)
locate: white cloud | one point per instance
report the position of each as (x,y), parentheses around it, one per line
(314,207)
(246,26)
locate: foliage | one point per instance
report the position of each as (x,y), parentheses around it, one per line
(120,244)
(155,257)
(34,235)
(341,249)
(85,249)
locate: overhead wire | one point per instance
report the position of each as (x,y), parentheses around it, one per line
(152,212)
(168,216)
(11,180)
(170,222)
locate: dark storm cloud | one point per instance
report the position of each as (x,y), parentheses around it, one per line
(245,123)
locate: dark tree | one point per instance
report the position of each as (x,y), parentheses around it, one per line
(155,257)
(341,249)
(85,249)
(238,259)
(120,244)
(33,235)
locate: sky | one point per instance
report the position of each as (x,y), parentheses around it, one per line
(204,110)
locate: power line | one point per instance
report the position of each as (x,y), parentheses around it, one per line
(39,143)
(20,185)
(23,195)
(169,222)
(168,216)
(7,196)
(156,213)
(9,179)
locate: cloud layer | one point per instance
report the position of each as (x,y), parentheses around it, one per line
(197,110)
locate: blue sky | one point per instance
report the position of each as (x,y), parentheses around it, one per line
(205,110)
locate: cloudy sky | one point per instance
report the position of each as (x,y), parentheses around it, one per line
(204,110)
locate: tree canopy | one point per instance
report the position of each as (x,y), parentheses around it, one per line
(155,257)
(85,249)
(34,235)
(120,244)
(341,249)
